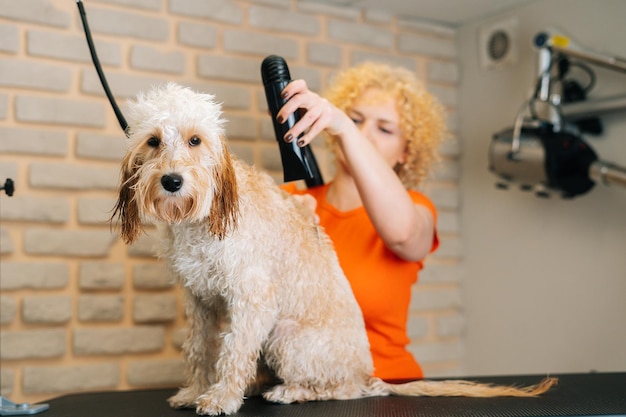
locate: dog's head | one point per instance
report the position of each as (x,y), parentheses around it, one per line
(177,167)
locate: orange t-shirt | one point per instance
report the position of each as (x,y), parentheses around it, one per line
(380,280)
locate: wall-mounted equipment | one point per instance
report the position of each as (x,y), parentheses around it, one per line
(544,151)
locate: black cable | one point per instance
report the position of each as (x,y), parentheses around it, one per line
(565,66)
(96,63)
(590,73)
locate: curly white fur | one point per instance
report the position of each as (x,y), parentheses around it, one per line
(270,310)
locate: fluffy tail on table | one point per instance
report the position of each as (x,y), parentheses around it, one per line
(459,388)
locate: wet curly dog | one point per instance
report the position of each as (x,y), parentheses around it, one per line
(270,310)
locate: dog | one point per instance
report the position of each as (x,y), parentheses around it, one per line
(270,310)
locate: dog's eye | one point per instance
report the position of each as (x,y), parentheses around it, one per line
(153,142)
(194,141)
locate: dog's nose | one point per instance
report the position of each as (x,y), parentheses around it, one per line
(172,182)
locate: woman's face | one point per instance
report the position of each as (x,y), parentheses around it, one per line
(376,115)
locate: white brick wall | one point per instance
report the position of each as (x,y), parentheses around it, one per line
(32,344)
(16,74)
(61,379)
(79,310)
(114,340)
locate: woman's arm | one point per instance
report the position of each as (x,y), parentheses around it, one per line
(406,228)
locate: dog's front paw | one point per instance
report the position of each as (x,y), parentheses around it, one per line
(287,394)
(213,404)
(184,398)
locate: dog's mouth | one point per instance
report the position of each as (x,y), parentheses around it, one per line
(171,196)
(168,199)
(174,209)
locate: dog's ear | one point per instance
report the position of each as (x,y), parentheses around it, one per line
(126,207)
(225,205)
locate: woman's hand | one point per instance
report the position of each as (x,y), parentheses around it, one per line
(316,114)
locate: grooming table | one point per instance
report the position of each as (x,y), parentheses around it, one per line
(594,394)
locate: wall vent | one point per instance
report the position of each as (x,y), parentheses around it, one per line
(497,43)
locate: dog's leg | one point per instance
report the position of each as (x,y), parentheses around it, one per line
(236,366)
(265,378)
(200,350)
(317,364)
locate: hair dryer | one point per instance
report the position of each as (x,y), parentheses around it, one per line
(298,162)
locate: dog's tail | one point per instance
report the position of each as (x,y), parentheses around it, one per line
(457,388)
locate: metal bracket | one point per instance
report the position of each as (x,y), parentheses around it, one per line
(9,408)
(8,187)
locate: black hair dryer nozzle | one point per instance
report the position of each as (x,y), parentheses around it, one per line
(298,162)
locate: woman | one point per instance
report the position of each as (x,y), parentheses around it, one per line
(384,129)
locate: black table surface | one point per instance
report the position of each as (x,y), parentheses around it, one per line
(593,394)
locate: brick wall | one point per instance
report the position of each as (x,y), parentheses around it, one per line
(79,309)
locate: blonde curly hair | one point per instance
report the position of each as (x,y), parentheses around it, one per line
(422,120)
